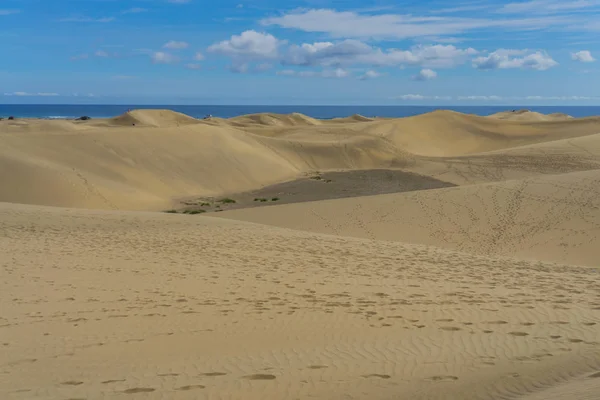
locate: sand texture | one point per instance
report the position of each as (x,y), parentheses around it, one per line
(442,256)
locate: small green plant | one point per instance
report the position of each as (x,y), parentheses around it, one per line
(328,181)
(204,204)
(316,178)
(193,212)
(275,199)
(261,199)
(227,201)
(171,211)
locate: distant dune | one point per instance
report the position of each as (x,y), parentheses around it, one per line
(530,116)
(152,118)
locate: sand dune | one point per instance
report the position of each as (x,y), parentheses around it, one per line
(530,116)
(151,118)
(113,164)
(553,218)
(100,303)
(474,277)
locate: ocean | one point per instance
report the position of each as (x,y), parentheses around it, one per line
(67,111)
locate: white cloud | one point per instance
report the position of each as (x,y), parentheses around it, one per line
(355,52)
(547,6)
(562,98)
(193,66)
(160,57)
(27,94)
(199,56)
(501,59)
(412,97)
(583,56)
(9,12)
(101,53)
(480,98)
(175,45)
(370,74)
(425,75)
(349,24)
(330,73)
(249,45)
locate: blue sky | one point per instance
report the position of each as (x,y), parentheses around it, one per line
(543,52)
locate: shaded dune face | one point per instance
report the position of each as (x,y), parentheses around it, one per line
(441,256)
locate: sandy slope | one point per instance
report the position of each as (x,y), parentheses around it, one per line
(554,218)
(110,304)
(113,164)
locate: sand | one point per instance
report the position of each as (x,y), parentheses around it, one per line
(469,272)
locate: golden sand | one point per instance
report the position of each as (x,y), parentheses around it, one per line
(486,290)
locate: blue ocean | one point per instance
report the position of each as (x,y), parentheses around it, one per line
(55,111)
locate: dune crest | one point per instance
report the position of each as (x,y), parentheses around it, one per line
(152,118)
(530,116)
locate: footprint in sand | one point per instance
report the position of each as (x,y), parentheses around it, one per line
(113,381)
(518,333)
(190,387)
(317,366)
(381,376)
(214,374)
(260,377)
(596,375)
(138,390)
(443,378)
(72,383)
(450,328)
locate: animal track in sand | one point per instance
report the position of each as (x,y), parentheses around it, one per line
(113,381)
(138,390)
(382,376)
(496,322)
(595,375)
(214,374)
(169,374)
(260,377)
(317,366)
(72,383)
(518,333)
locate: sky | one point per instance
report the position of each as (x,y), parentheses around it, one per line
(355,52)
